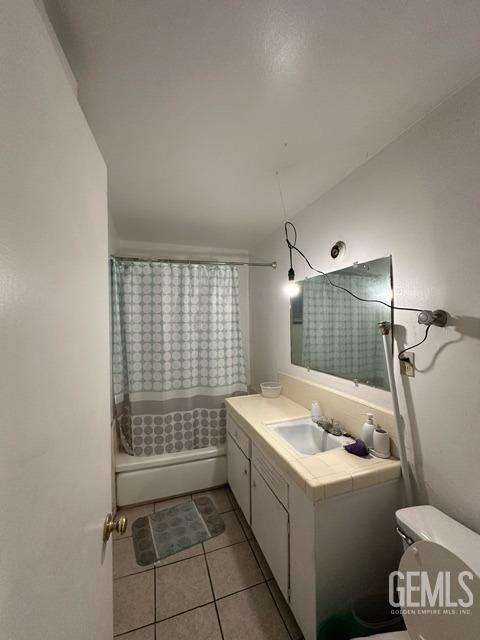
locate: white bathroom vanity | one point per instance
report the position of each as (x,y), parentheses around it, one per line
(324,521)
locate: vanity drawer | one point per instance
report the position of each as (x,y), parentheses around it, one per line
(271,475)
(239,436)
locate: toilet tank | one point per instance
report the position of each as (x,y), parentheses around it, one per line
(428,523)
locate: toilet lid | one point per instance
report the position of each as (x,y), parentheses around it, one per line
(444,603)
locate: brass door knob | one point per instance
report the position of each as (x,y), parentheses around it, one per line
(111,524)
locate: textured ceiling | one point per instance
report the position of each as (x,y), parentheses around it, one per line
(196,103)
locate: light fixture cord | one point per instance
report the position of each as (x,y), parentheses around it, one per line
(292,246)
(414,346)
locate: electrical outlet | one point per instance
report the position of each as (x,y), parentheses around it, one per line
(407,364)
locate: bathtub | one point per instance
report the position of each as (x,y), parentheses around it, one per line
(149,478)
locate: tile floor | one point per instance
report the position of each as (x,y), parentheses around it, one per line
(222,589)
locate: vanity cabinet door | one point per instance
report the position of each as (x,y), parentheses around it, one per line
(239,475)
(270,527)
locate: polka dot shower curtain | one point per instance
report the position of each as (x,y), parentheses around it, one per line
(177,353)
(340,334)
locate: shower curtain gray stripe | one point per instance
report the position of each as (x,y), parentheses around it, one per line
(177,353)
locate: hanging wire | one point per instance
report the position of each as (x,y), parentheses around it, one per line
(292,247)
(414,346)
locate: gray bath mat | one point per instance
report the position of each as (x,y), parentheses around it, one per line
(165,532)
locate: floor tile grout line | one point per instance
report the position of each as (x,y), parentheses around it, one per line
(208,568)
(190,495)
(239,521)
(187,610)
(234,593)
(177,615)
(246,533)
(145,626)
(233,543)
(135,573)
(155,566)
(202,553)
(227,546)
(124,537)
(214,601)
(233,508)
(149,624)
(246,588)
(258,562)
(267,580)
(227,491)
(213,594)
(154,604)
(278,608)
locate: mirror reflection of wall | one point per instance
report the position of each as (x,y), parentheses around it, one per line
(332,332)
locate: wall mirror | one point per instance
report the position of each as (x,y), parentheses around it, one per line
(334,333)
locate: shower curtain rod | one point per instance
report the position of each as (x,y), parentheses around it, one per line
(193,261)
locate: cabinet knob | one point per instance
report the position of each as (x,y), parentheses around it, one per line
(254,484)
(245,472)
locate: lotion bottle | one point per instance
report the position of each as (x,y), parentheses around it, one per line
(367,431)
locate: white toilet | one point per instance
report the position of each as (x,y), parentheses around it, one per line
(436,543)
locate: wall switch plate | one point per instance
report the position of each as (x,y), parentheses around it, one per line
(407,364)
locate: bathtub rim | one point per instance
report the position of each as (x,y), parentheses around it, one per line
(169,475)
(125,462)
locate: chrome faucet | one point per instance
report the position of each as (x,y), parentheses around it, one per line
(330,426)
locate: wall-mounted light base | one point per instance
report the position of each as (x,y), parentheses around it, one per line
(337,252)
(438,317)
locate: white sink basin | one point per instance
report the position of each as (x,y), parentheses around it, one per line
(308,438)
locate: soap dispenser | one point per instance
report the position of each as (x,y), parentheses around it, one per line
(316,411)
(367,431)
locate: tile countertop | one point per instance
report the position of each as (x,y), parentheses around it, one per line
(321,476)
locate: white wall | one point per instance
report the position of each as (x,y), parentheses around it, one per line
(418,200)
(154,249)
(55,574)
(46,17)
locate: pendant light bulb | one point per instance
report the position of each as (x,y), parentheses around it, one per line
(292,289)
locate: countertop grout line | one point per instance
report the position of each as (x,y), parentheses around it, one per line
(289,464)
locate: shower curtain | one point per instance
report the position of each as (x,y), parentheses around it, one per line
(340,334)
(177,353)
